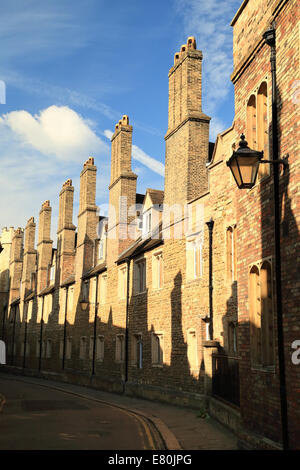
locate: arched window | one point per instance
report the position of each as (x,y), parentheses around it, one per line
(261,315)
(255,324)
(251,123)
(266,314)
(262,126)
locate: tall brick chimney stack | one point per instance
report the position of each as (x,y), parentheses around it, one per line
(29,259)
(87,219)
(187,138)
(44,246)
(66,232)
(122,189)
(16,264)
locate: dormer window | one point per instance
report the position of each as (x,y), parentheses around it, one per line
(101,249)
(52,274)
(147,222)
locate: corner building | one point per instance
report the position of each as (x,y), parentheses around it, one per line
(172,296)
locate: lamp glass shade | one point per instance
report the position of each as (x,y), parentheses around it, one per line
(244,165)
(245,169)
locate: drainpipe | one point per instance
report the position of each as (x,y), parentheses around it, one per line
(210,226)
(65,328)
(41,334)
(270,39)
(127,321)
(95,326)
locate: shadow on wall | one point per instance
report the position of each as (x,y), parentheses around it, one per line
(177,375)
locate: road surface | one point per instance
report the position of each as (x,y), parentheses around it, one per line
(35,417)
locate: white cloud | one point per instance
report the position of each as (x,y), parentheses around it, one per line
(139,155)
(108,133)
(57,131)
(216,127)
(37,154)
(154,165)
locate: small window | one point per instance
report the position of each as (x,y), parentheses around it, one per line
(27,349)
(261,314)
(37,349)
(100,348)
(122,285)
(251,123)
(48,348)
(194,259)
(267,320)
(137,351)
(91,349)
(70,298)
(61,349)
(262,127)
(101,249)
(255,323)
(103,289)
(83,346)
(192,351)
(147,222)
(69,348)
(157,349)
(52,274)
(157,270)
(198,261)
(140,276)
(120,348)
(44,349)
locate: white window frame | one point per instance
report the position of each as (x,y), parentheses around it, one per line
(120,348)
(147,222)
(101,249)
(140,283)
(159,352)
(122,281)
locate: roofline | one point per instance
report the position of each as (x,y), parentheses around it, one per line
(235,18)
(15,301)
(221,134)
(95,271)
(137,252)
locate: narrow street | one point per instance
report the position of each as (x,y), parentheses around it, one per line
(36,417)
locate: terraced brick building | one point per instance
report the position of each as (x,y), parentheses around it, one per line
(173,295)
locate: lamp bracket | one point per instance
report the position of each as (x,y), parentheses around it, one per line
(283,161)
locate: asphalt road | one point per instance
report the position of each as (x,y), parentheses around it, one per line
(34,417)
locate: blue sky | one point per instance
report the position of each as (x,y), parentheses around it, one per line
(73,68)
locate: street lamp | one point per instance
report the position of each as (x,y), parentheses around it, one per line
(244,164)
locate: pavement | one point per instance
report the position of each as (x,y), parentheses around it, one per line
(181,428)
